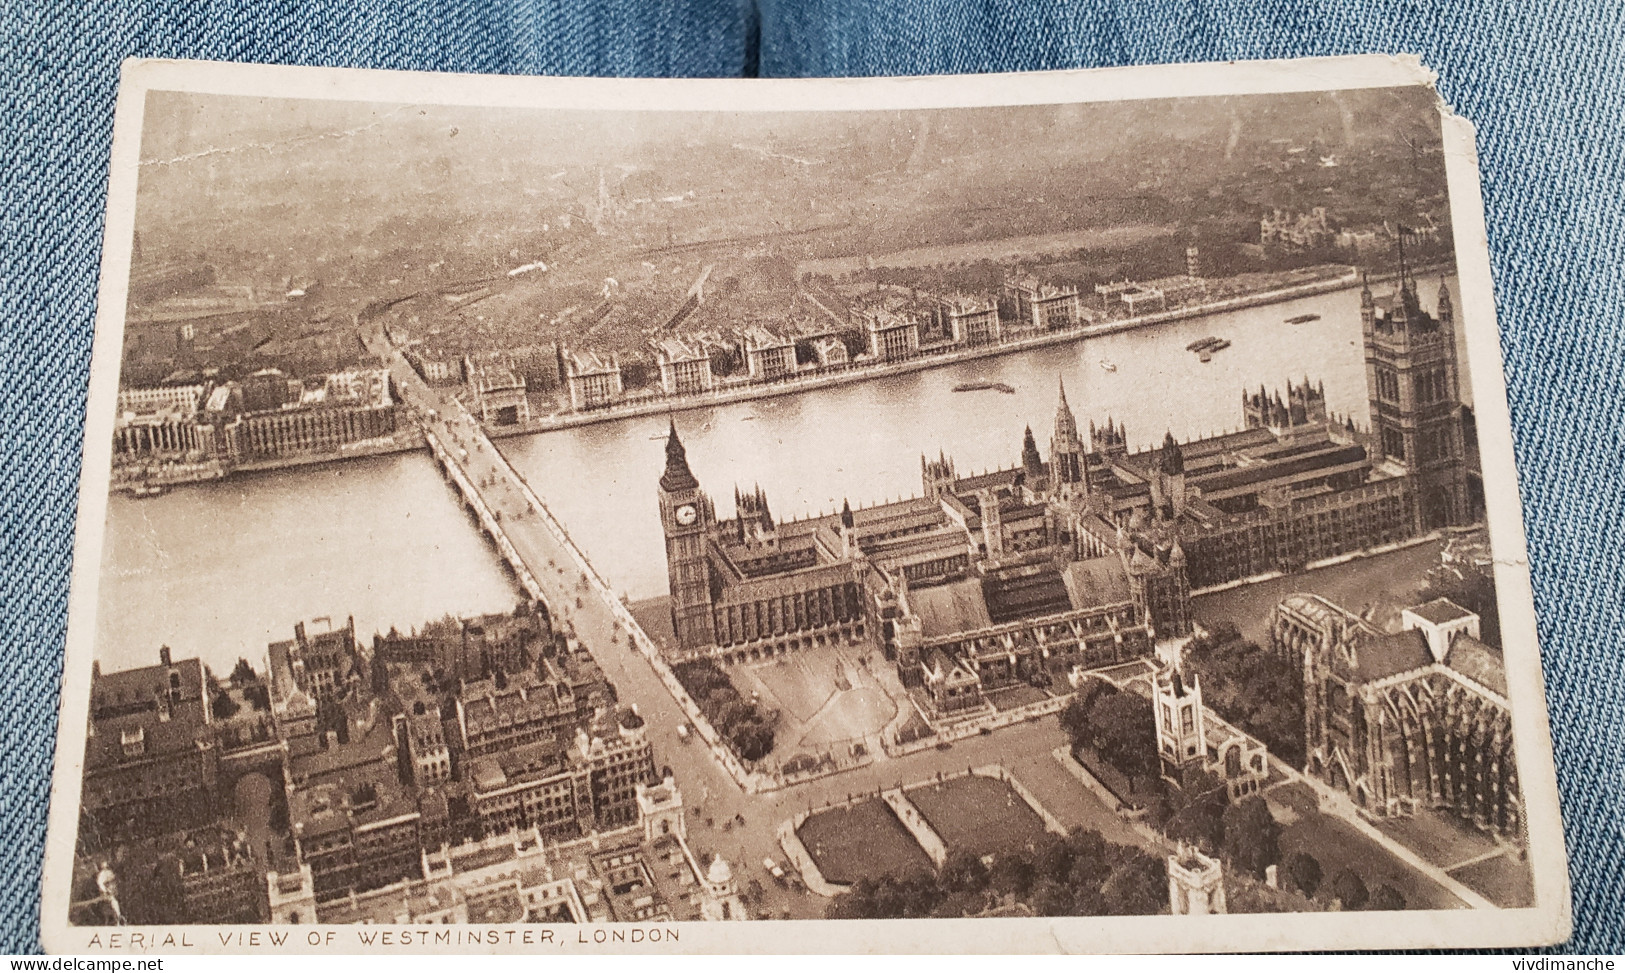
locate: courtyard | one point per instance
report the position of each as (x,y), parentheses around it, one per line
(863,840)
(980,815)
(826,696)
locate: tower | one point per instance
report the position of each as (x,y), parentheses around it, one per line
(1181,730)
(687,517)
(1032,464)
(1168,480)
(1068,463)
(1159,581)
(660,808)
(1195,883)
(987,503)
(936,475)
(721,899)
(1412,380)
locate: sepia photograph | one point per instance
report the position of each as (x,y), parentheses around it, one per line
(527,513)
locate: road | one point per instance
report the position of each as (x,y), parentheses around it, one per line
(716,803)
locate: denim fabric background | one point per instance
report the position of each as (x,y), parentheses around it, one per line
(1544,82)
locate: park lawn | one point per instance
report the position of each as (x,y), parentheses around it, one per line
(981,815)
(864,840)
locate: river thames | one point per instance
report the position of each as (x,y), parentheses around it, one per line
(218,570)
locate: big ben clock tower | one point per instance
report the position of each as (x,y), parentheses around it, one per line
(686,515)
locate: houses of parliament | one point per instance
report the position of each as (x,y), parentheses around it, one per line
(1086,555)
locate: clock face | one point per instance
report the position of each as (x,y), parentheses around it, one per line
(686,514)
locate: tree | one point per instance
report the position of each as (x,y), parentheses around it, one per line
(1197,811)
(1051,898)
(1386,899)
(1052,860)
(1252,838)
(963,872)
(1137,886)
(224,706)
(1092,860)
(1349,890)
(1304,871)
(243,673)
(1011,875)
(1125,732)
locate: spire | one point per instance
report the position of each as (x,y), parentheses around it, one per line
(1066,424)
(1031,461)
(677,476)
(846,513)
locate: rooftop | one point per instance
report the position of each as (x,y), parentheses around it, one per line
(1478,661)
(1440,611)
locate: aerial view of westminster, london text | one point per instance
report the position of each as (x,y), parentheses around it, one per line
(521,515)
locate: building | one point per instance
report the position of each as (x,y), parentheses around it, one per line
(356,828)
(684,368)
(1361,241)
(768,356)
(972,320)
(1414,385)
(183,400)
(1195,883)
(320,660)
(1144,297)
(265,417)
(1085,557)
(594,382)
(565,788)
(161,423)
(891,336)
(221,880)
(434,366)
(830,351)
(1190,739)
(1041,306)
(151,761)
(977,585)
(1407,720)
(501,713)
(1303,231)
(420,733)
(366,387)
(497,393)
(642,872)
(472,649)
(301,431)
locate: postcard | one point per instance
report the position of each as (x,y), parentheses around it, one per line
(1070,512)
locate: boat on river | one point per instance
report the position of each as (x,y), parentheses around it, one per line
(1109,366)
(981,386)
(1203,344)
(1302,318)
